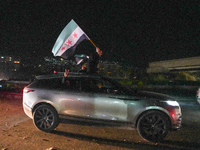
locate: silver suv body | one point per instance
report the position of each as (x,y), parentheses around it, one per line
(198,95)
(49,99)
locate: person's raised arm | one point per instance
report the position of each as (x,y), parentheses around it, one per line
(66,73)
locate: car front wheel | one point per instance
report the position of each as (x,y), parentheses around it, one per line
(45,118)
(153,126)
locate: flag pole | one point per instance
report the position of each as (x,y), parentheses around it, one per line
(93,44)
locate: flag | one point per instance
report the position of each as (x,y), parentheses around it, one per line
(68,39)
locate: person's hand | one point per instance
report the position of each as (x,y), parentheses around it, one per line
(100,52)
(66,73)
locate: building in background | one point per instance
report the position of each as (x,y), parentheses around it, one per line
(8,66)
(191,65)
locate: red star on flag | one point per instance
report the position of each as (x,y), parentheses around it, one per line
(69,42)
(63,48)
(75,35)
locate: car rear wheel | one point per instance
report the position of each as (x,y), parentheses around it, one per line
(45,118)
(153,126)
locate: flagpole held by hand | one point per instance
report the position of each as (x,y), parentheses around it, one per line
(93,43)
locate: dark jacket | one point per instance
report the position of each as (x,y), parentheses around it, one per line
(82,71)
(92,63)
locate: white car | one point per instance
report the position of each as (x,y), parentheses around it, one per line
(198,95)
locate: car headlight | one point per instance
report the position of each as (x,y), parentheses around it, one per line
(172,103)
(176,106)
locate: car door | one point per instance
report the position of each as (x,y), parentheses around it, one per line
(107,104)
(72,101)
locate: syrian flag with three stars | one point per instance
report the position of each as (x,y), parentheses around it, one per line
(68,39)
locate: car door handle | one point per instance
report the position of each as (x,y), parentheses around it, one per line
(117,97)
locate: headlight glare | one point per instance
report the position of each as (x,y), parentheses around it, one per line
(172,103)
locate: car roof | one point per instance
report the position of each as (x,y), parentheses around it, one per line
(71,74)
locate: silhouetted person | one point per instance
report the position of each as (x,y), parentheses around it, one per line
(92,66)
(65,76)
(83,68)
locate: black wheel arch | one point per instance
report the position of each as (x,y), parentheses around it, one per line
(43,103)
(154,110)
(53,114)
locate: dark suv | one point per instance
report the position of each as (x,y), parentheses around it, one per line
(49,99)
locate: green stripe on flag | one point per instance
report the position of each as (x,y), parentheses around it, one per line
(70,27)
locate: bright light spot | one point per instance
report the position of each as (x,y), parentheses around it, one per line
(25,90)
(173,103)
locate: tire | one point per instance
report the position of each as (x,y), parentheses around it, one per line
(45,118)
(153,126)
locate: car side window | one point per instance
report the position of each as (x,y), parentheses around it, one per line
(71,84)
(87,85)
(96,86)
(49,83)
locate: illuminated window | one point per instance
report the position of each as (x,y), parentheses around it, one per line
(16,62)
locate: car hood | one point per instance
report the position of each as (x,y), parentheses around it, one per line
(153,95)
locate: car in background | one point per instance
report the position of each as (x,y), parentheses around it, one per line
(198,95)
(2,85)
(49,99)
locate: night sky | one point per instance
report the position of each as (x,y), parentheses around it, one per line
(133,32)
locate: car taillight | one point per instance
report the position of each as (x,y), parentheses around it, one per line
(25,90)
